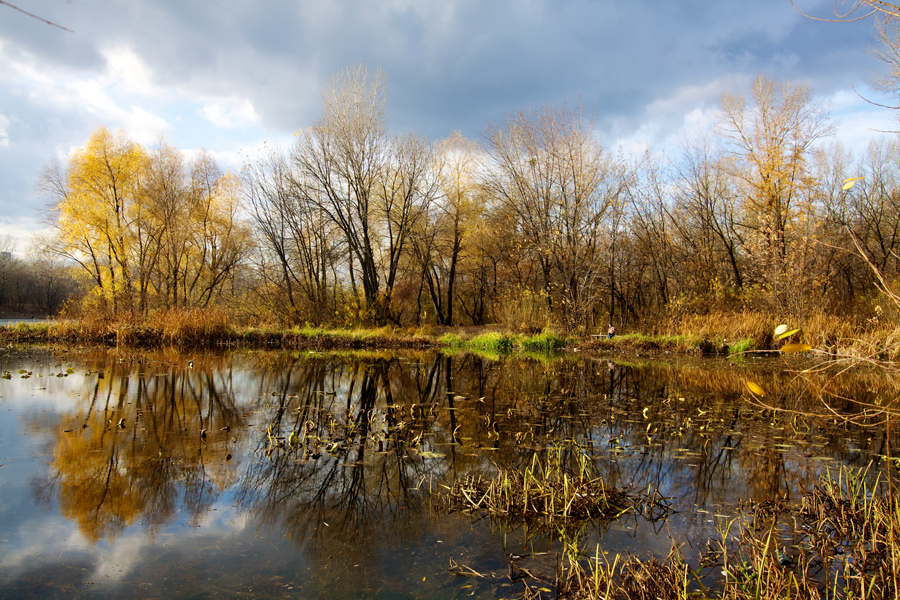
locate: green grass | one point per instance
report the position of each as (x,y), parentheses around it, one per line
(740,346)
(495,344)
(545,341)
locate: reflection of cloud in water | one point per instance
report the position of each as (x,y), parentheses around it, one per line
(116,562)
(36,538)
(52,538)
(224,517)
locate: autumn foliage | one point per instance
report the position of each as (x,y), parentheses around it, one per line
(538,226)
(145,228)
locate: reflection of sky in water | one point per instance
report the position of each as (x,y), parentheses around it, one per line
(288,524)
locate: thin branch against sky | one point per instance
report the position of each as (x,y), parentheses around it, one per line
(34,16)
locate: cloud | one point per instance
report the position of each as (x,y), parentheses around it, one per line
(4,135)
(229,113)
(229,77)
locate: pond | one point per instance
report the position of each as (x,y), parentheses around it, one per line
(304,475)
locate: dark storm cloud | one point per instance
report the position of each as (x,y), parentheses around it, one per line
(451,65)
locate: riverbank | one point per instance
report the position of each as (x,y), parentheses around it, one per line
(489,341)
(721,334)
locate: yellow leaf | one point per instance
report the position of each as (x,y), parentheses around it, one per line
(788,334)
(780,329)
(792,348)
(850,182)
(756,389)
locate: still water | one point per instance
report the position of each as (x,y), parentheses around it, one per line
(303,475)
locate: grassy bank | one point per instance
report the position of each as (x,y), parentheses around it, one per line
(717,333)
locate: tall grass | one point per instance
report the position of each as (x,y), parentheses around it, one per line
(841,542)
(559,487)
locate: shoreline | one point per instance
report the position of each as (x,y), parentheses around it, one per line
(489,341)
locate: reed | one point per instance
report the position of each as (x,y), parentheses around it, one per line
(844,543)
(560,488)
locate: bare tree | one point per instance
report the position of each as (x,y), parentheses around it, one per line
(555,182)
(372,186)
(304,244)
(439,239)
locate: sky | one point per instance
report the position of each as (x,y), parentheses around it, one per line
(229,75)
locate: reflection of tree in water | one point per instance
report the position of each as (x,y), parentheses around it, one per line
(358,442)
(356,473)
(146,445)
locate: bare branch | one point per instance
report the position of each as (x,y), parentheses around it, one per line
(34,16)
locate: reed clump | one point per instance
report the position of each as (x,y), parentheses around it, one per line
(556,490)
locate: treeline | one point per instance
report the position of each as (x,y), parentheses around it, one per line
(34,286)
(536,225)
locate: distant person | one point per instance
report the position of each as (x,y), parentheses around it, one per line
(610,332)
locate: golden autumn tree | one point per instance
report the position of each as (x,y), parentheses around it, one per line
(216,238)
(148,229)
(95,216)
(769,140)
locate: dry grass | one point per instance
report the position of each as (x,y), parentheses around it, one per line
(844,543)
(210,327)
(878,336)
(554,492)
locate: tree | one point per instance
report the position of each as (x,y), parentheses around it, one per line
(146,230)
(94,219)
(372,186)
(303,244)
(707,218)
(218,239)
(440,238)
(158,236)
(555,183)
(770,141)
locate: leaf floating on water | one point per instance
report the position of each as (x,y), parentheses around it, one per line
(788,334)
(756,389)
(793,348)
(780,329)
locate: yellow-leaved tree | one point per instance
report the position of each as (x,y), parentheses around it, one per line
(148,230)
(95,212)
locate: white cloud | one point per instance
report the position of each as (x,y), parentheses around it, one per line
(859,121)
(4,133)
(126,70)
(229,113)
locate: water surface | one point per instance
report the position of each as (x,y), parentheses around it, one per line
(301,475)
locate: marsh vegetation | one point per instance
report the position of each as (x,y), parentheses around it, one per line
(385,474)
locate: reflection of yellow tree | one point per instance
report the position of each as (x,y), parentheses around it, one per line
(94,488)
(146,450)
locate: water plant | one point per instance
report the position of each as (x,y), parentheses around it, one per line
(560,488)
(841,541)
